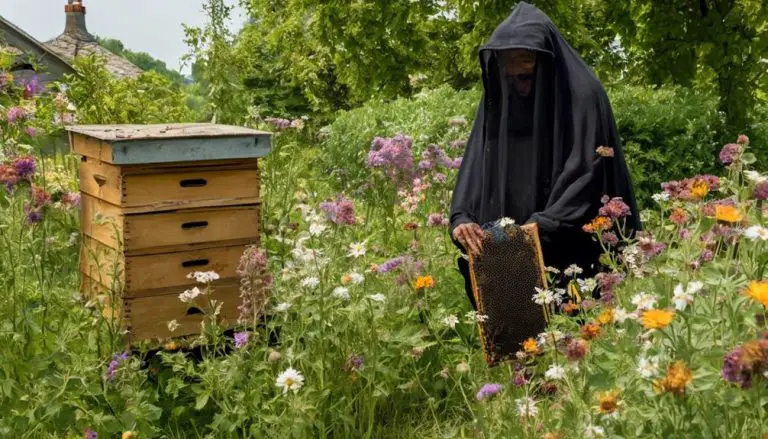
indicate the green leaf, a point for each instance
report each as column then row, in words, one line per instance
column 748, row 158
column 201, row 400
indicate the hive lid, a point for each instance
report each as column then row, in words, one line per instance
column 126, row 133
column 165, row 143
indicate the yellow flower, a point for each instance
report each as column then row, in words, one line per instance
column 552, row 435
column 129, row 435
column 346, row 279
column 657, row 318
column 425, row 282
column 677, row 379
column 530, row 346
column 699, row 189
column 606, row 317
column 171, row 346
column 608, row 402
column 758, row 291
column 728, row 214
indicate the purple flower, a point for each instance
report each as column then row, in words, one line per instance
column 71, row 199
column 340, row 211
column 394, row 155
column 437, row 220
column 730, row 153
column 354, row 362
column 458, row 144
column 610, row 238
column 241, row 339
column 706, row 255
column 390, row 265
column 33, row 214
column 761, row 190
column 426, row 164
column 733, row 370
column 440, row 178
column 25, row 167
column 457, row 122
column 31, row 132
column 519, row 380
column 90, row 434
column 648, row 244
column 31, row 88
column 684, row 233
column 255, row 282
column 16, row 114
column 455, row 164
column 614, row 208
column 607, row 281
column 488, row 391
column 117, row 360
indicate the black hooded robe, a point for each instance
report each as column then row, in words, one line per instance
column 533, row 158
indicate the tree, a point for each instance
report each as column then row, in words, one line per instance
column 713, row 44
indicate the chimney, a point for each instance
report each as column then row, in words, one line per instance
column 75, row 26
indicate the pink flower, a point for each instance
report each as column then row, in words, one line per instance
column 614, row 208
column 730, row 153
column 761, row 190
column 16, row 114
column 742, row 140
column 437, row 220
column 340, row 211
column 394, row 155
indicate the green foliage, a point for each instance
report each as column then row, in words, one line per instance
column 714, row 44
column 143, row 60
column 102, row 99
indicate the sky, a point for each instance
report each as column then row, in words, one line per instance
column 152, row 26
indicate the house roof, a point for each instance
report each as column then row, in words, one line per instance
column 74, row 41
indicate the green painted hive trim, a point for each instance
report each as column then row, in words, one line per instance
column 188, row 150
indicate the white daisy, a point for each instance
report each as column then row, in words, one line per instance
column 754, row 176
column 644, row 301
column 317, row 229
column 282, row 307
column 451, row 321
column 310, row 282
column 526, row 407
column 648, row 367
column 290, row 379
column 555, row 372
column 756, row 232
column 356, row 249
column 377, row 297
column 573, row 270
column 341, row 293
column 543, row 297
column 356, row 278
column 621, row 315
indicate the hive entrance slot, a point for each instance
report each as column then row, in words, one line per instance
column 194, row 310
column 195, row 263
column 193, row 182
column 194, row 225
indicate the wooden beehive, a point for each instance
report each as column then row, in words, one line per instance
column 159, row 202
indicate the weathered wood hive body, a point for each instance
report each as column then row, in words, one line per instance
column 159, row 202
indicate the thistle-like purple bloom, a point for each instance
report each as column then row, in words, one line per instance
column 90, row 434
column 437, row 220
column 455, row 163
column 25, row 167
column 615, row 208
column 354, row 362
column 390, row 265
column 519, row 380
column 730, row 153
column 241, row 339
column 733, row 371
column 706, row 255
column 610, row 238
column 761, row 190
column 394, row 155
column 488, row 391
column 31, row 87
column 340, row 211
column 16, row 114
column 33, row 214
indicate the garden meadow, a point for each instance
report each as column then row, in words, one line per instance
column 354, row 321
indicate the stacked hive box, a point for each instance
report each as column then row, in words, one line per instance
column 159, row 202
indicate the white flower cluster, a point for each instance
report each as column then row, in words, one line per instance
column 189, row 296
column 684, row 296
column 573, row 270
column 203, row 277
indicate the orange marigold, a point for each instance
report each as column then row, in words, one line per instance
column 598, row 225
column 590, row 330
column 570, row 307
column 425, row 282
column 758, row 291
column 530, row 346
column 728, row 214
column 606, row 317
column 699, row 189
column 657, row 318
column 346, row 279
column 678, row 377
column 552, row 435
